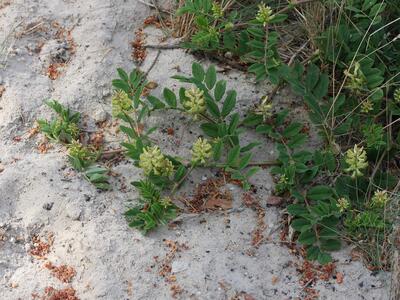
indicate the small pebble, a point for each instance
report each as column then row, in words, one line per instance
column 48, row 206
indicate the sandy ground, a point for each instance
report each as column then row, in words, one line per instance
column 40, row 194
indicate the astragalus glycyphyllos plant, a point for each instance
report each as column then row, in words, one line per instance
column 207, row 101
column 65, row 129
column 347, row 190
column 349, row 80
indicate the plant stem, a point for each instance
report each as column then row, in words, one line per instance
column 178, row 184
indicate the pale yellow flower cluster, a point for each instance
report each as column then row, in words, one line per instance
column 380, row 198
column 396, row 95
column 356, row 159
column 264, row 14
column 195, row 103
column 343, row 204
column 201, row 151
column 120, row 103
column 264, row 108
column 153, row 161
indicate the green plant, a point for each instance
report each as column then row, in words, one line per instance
column 353, row 105
column 65, row 129
column 212, row 106
column 152, row 209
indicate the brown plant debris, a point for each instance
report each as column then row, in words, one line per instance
column 44, row 146
column 174, row 247
column 175, row 290
column 2, row 89
column 313, row 272
column 209, row 195
column 165, row 267
column 40, row 248
column 257, row 235
column 97, row 140
column 242, row 296
column 54, row 70
column 5, row 3
column 63, row 273
column 139, row 52
column 51, row 293
column 32, row 132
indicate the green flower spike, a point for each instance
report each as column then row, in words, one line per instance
column 217, row 10
column 201, row 151
column 195, row 103
column 380, row 198
column 396, row 95
column 76, row 149
column 152, row 160
column 264, row 14
column 264, row 108
column 120, row 103
column 367, row 106
column 343, row 204
column 356, row 158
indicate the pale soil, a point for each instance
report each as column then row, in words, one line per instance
column 111, row 260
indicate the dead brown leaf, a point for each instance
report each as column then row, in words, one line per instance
column 53, row 71
column 40, row 248
column 44, row 147
column 32, row 132
column 339, row 277
column 51, row 293
column 274, row 200
column 139, row 52
column 209, row 195
column 63, row 273
column 275, row 280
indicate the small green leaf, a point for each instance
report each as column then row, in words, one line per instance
column 198, row 71
column 210, row 129
column 180, row 172
column 244, row 161
column 233, row 155
column 157, row 104
column 212, row 108
column 297, row 210
column 211, row 77
column 229, row 103
column 124, row 76
column 170, row 97
column 219, row 90
column 217, row 150
column 252, row 171
column 330, row 244
column 292, row 130
column 320, row 192
column 307, row 238
column 324, row 258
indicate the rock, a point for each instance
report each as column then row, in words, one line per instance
column 73, row 212
column 274, row 200
column 100, row 116
column 179, row 266
column 48, row 206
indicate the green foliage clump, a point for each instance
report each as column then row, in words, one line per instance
column 65, row 129
column 152, row 209
column 207, row 101
column 346, row 189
